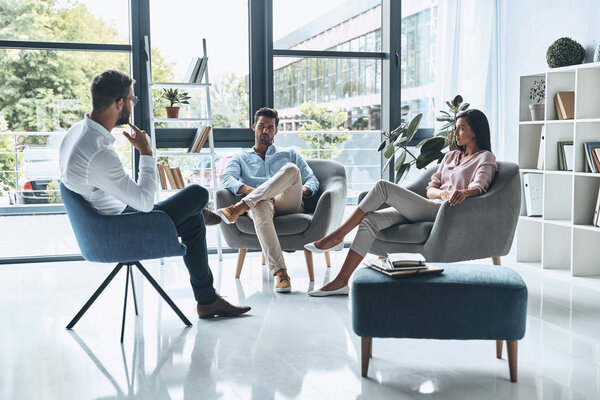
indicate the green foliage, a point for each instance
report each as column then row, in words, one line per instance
column 229, row 102
column 537, row 93
column 395, row 148
column 174, row 96
column 53, row 191
column 564, row 51
column 322, row 117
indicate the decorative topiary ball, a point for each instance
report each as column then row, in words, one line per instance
column 565, row 51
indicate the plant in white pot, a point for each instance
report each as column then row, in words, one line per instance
column 537, row 94
column 173, row 96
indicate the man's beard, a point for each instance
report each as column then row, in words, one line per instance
column 266, row 142
column 124, row 117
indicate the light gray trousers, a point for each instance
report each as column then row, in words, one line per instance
column 405, row 207
column 281, row 194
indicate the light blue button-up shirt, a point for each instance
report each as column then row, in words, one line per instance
column 247, row 168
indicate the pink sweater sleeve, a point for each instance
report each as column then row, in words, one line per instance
column 436, row 178
column 484, row 174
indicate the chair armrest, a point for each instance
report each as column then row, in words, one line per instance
column 225, row 198
column 458, row 233
column 330, row 208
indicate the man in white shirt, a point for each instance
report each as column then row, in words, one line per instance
column 90, row 166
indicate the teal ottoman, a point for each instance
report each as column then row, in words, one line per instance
column 466, row 301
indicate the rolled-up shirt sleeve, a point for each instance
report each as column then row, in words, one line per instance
column 436, row 179
column 113, row 180
column 230, row 179
column 484, row 174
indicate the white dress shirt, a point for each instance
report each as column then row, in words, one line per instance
column 90, row 166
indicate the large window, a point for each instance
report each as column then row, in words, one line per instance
column 177, row 29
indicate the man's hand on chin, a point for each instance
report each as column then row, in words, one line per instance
column 140, row 140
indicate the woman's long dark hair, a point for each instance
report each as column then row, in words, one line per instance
column 480, row 127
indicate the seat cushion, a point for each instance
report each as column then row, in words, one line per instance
column 406, row 233
column 290, row 224
column 466, row 301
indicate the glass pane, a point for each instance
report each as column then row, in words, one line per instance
column 226, row 33
column 42, row 94
column 331, row 109
column 337, row 25
column 83, row 21
column 419, row 26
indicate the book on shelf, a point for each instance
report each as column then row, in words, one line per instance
column 170, row 176
column 377, row 265
column 595, row 221
column 540, row 160
column 559, row 113
column 199, row 139
column 533, row 194
column 566, row 104
column 193, row 69
column 565, row 155
column 201, row 70
column 596, row 155
column 590, row 149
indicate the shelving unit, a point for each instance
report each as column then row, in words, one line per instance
column 563, row 238
column 177, row 150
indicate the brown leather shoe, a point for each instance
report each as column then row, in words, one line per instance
column 220, row 307
column 210, row 218
column 230, row 214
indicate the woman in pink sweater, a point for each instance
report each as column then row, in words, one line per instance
column 463, row 173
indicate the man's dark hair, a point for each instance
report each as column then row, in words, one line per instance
column 108, row 87
column 480, row 127
column 267, row 112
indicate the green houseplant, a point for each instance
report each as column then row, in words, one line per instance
column 174, row 96
column 564, row 51
column 537, row 95
column 431, row 149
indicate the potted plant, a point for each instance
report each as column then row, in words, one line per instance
column 431, row 149
column 537, row 94
column 174, row 96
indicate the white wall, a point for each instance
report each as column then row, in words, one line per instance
column 530, row 27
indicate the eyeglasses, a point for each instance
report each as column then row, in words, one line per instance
column 134, row 100
column 270, row 128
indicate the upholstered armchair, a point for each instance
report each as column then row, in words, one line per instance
column 125, row 239
column 480, row 227
column 323, row 213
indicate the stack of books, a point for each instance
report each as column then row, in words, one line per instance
column 402, row 265
column 565, row 155
column 170, row 177
column 196, row 70
column 592, row 156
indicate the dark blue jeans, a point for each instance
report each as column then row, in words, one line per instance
column 185, row 209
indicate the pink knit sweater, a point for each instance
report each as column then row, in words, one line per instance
column 478, row 172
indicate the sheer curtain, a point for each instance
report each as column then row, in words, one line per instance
column 469, row 60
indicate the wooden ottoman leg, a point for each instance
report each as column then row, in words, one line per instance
column 499, row 349
column 240, row 261
column 327, row 259
column 309, row 265
column 365, row 352
column 511, row 347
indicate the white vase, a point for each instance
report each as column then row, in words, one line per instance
column 597, row 54
column 537, row 112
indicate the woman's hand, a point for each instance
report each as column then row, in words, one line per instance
column 458, row 197
column 445, row 195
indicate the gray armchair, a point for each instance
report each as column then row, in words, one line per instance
column 480, row 227
column 323, row 213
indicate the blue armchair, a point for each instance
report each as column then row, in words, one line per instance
column 125, row 239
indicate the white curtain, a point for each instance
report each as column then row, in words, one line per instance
column 468, row 60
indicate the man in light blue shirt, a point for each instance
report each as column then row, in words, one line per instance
column 274, row 181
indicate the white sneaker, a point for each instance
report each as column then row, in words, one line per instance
column 344, row 290
column 314, row 249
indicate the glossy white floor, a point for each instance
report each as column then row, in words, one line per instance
column 289, row 346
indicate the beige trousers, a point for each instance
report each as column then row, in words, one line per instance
column 280, row 195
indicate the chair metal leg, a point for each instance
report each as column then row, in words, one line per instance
column 95, row 296
column 133, row 291
column 162, row 293
column 125, row 301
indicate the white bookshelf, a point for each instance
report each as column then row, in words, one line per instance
column 563, row 238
